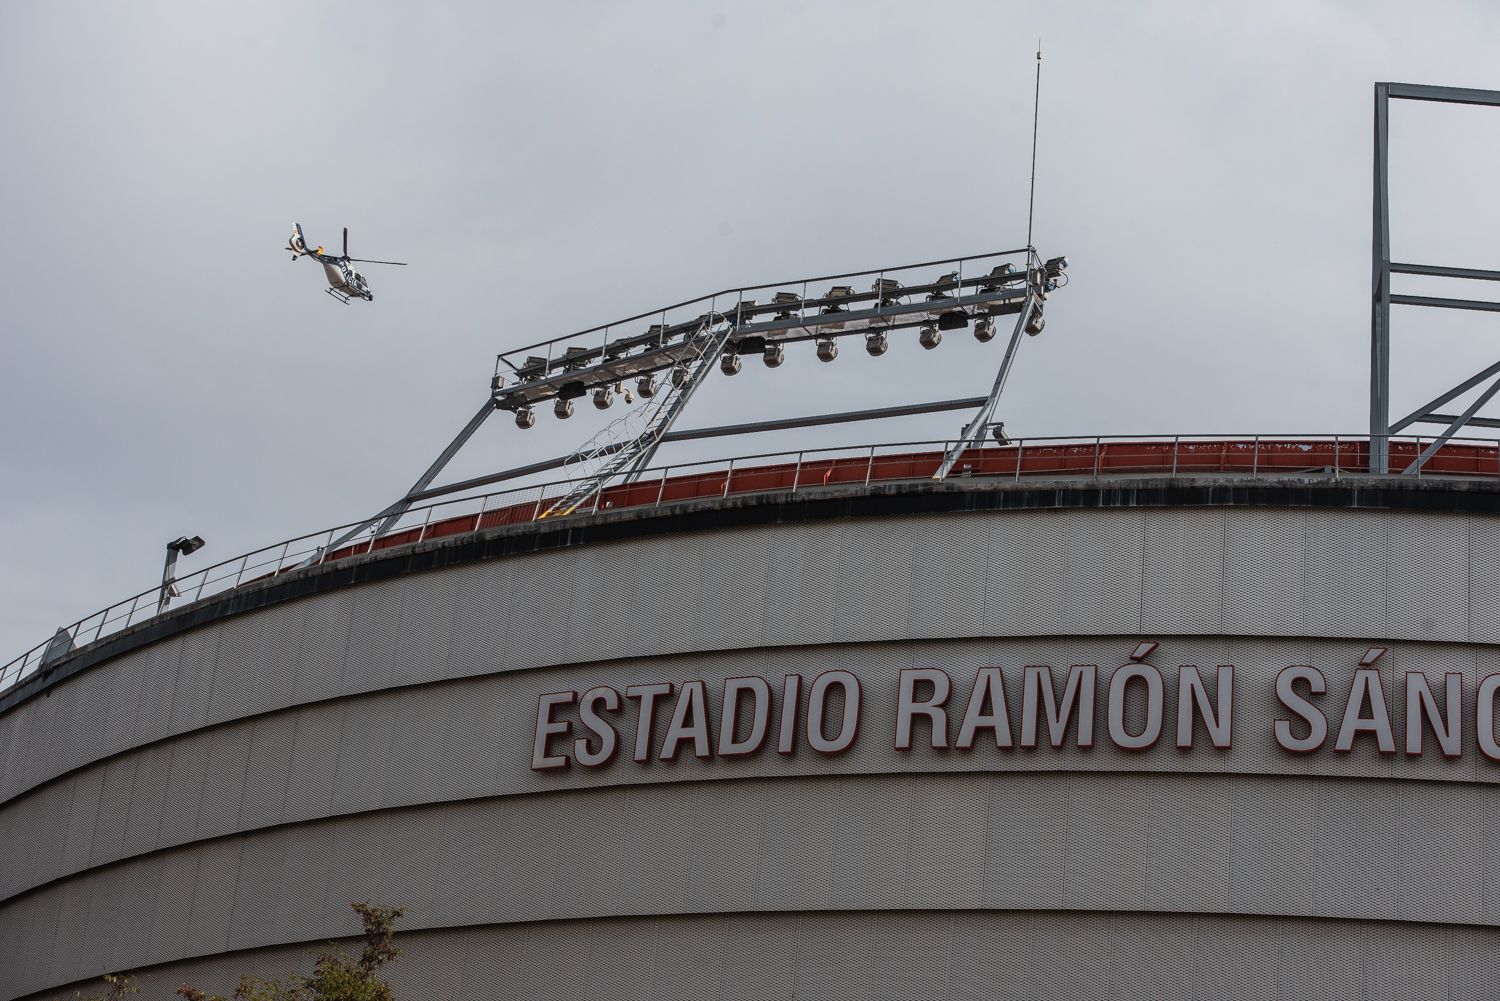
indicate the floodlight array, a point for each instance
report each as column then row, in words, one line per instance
column 764, row 319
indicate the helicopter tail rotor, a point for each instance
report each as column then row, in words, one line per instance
column 297, row 244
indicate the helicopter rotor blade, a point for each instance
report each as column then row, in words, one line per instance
column 346, row 241
column 366, row 260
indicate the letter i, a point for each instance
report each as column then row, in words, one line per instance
column 791, row 695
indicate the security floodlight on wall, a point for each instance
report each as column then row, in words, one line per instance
column 181, row 546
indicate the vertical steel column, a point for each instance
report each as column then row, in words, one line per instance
column 1380, row 297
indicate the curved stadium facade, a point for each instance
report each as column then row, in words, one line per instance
column 1100, row 721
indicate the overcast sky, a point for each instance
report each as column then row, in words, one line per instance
column 165, row 369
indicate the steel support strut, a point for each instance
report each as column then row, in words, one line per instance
column 388, row 517
column 1380, row 292
column 1381, row 296
column 974, row 432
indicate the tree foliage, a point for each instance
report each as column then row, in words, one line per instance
column 335, row 976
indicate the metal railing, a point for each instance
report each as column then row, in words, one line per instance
column 1095, row 457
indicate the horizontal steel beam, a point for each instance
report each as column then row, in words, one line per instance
column 720, row 431
column 1427, row 300
column 845, row 323
column 1479, row 422
column 1439, row 271
column 764, row 286
column 1443, row 95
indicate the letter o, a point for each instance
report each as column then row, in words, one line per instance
column 817, row 705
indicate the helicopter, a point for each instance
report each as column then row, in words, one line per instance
column 344, row 282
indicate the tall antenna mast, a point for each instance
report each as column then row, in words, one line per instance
column 1035, row 108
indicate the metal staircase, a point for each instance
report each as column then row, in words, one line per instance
column 626, row 445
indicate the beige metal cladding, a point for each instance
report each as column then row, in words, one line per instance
column 209, row 804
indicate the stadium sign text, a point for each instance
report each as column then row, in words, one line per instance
column 1040, row 707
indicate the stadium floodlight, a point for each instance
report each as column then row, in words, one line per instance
column 786, row 300
column 888, row 289
column 1000, row 276
column 603, row 398
column 679, row 376
column 183, row 545
column 525, row 418
column 984, row 329
column 563, row 409
column 1036, row 321
column 1055, row 266
column 730, row 363
column 997, row 430
column 828, row 349
column 929, row 336
column 837, row 292
column 875, row 343
column 946, row 281
column 774, row 356
column 646, row 387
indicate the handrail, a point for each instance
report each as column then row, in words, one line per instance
column 797, row 470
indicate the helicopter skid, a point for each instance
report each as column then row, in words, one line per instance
column 341, row 297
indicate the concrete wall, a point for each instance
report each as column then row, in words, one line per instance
column 230, row 789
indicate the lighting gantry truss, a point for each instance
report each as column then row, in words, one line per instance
column 666, row 362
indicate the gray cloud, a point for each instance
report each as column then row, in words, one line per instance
column 545, row 167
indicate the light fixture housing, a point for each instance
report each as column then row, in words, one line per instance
column 1036, row 321
column 525, row 418
column 679, row 376
column 603, row 398
column 876, row 343
column 828, row 349
column 997, row 430
column 954, row 319
column 645, row 386
column 929, row 336
column 563, row 409
column 186, row 545
column 730, row 363
column 984, row 329
column 774, row 356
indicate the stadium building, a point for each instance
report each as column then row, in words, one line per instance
column 1181, row 718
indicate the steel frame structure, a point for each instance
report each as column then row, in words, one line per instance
column 1382, row 298
column 691, row 338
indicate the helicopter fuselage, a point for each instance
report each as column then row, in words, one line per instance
column 344, row 282
column 344, row 279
